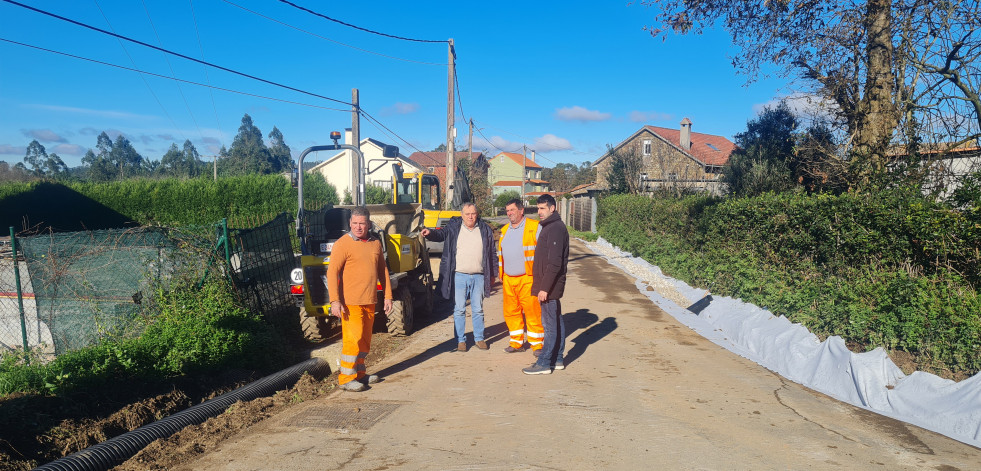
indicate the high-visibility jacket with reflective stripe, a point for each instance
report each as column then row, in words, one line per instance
column 528, row 241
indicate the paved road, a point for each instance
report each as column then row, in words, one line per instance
column 640, row 391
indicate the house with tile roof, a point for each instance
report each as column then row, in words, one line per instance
column 338, row 170
column 435, row 162
column 509, row 171
column 677, row 159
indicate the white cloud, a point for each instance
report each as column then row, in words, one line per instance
column 551, row 142
column 67, row 149
column 400, row 108
column 43, row 135
column 6, row 149
column 578, row 113
column 646, row 116
column 496, row 144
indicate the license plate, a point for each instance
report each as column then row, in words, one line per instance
column 326, row 247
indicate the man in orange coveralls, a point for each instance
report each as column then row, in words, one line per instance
column 515, row 256
column 357, row 265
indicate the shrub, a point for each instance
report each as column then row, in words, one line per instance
column 189, row 330
column 893, row 269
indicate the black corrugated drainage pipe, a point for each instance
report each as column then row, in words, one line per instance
column 116, row 450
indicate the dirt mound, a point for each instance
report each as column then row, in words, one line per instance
column 35, row 430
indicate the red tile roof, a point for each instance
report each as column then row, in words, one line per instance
column 508, row 183
column 520, row 159
column 584, row 185
column 707, row 148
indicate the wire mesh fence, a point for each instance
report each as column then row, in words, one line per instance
column 64, row 291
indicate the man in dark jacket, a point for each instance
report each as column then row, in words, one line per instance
column 466, row 270
column 548, row 282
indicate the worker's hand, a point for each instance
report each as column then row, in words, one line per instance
column 542, row 296
column 388, row 306
column 425, row 232
column 338, row 310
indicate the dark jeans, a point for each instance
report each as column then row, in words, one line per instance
column 554, row 344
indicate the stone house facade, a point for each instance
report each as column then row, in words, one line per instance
column 675, row 159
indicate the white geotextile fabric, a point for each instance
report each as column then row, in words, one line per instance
column 869, row 380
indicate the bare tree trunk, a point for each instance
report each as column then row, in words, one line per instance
column 877, row 113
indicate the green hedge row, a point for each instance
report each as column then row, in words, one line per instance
column 892, row 269
column 83, row 205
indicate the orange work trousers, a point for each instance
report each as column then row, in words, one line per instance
column 522, row 312
column 355, row 341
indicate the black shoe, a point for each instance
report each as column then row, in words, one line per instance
column 537, row 369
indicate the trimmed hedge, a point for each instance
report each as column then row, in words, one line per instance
column 892, row 269
column 82, row 205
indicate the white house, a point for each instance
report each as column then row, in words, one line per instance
column 339, row 169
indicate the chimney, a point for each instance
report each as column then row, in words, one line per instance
column 532, row 155
column 685, row 141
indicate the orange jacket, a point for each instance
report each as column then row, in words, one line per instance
column 354, row 271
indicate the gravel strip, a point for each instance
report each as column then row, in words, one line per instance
column 652, row 278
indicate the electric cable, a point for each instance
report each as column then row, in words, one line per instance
column 173, row 78
column 145, row 83
column 360, row 28
column 226, row 69
column 207, row 76
column 171, row 66
column 328, row 39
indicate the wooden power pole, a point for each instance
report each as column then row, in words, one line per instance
column 355, row 141
column 450, row 132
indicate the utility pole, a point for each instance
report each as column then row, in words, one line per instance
column 215, row 157
column 470, row 142
column 524, row 164
column 450, row 121
column 355, row 141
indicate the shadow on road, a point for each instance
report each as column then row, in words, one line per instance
column 583, row 319
column 581, row 257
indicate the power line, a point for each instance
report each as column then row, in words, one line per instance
column 328, row 39
column 554, row 147
column 172, row 78
column 226, row 69
column 360, row 28
column 171, row 66
column 207, row 76
column 145, row 83
column 383, row 128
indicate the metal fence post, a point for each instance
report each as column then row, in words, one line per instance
column 20, row 296
column 228, row 252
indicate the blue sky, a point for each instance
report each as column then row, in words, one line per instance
column 563, row 78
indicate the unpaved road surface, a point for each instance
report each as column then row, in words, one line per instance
column 640, row 391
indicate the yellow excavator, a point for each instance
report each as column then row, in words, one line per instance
column 424, row 189
column 398, row 225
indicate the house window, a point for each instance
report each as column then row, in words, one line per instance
column 647, row 147
column 672, row 176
